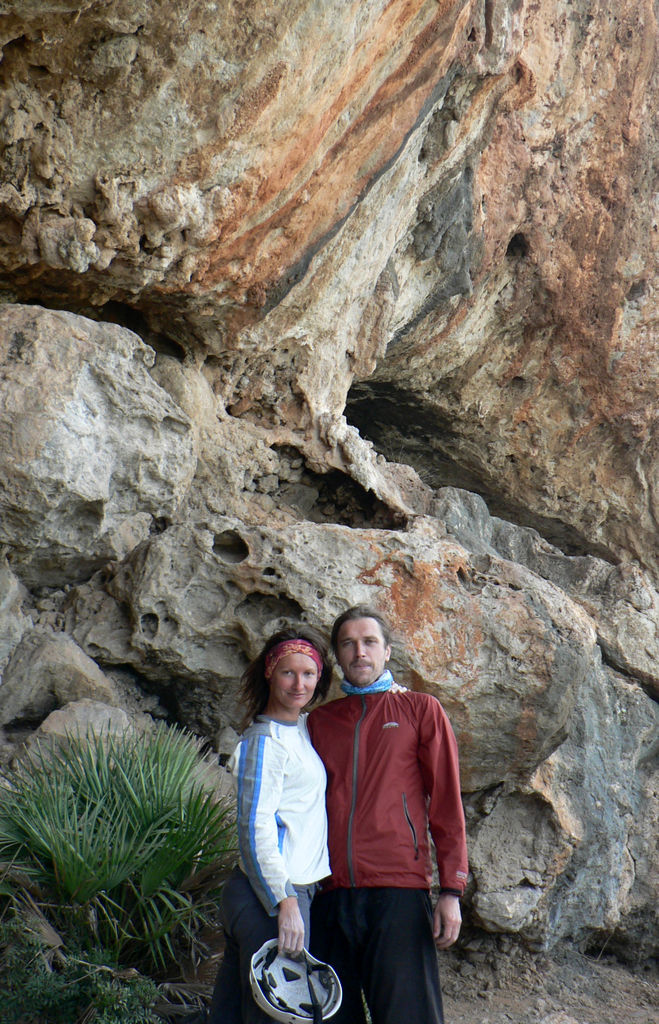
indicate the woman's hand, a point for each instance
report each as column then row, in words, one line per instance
column 291, row 926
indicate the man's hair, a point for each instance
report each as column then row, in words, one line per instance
column 361, row 611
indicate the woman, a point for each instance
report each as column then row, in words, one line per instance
column 282, row 826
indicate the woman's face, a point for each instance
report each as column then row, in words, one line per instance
column 292, row 685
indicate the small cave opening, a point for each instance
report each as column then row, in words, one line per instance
column 405, row 430
column 30, row 719
column 518, row 247
column 134, row 320
column 62, row 290
column 140, row 693
column 185, row 703
column 344, row 501
column 333, row 497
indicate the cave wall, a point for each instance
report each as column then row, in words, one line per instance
column 312, row 303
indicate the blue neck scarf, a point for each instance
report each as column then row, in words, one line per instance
column 379, row 686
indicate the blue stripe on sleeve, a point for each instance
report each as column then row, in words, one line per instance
column 250, row 777
column 281, row 832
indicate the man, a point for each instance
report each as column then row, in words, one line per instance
column 392, row 771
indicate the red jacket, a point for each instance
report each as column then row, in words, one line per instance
column 392, row 769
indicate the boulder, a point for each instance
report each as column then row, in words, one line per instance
column 46, row 671
column 14, row 617
column 81, row 717
column 562, row 855
column 620, row 598
column 91, row 449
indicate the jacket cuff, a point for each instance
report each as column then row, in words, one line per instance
column 452, row 892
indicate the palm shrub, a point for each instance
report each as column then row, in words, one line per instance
column 119, row 841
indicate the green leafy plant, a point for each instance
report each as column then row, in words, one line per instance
column 120, row 841
column 42, row 983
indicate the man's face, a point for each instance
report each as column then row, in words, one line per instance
column 361, row 651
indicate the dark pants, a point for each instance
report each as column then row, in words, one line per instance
column 381, row 941
column 246, row 927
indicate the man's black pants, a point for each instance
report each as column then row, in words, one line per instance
column 381, row 941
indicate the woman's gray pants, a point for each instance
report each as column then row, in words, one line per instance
column 246, row 927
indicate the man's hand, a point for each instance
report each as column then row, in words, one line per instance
column 446, row 920
column 291, row 926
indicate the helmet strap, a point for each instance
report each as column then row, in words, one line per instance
column 317, row 1008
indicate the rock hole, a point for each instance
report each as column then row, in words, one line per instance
column 637, row 290
column 466, row 579
column 269, row 612
column 230, row 547
column 518, row 247
column 149, row 624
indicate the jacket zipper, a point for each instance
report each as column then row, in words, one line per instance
column 412, row 828
column 355, row 760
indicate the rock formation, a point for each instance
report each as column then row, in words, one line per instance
column 307, row 304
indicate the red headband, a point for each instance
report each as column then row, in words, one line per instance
column 299, row 646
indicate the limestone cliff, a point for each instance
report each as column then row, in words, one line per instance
column 311, row 303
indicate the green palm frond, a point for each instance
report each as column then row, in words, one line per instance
column 123, row 831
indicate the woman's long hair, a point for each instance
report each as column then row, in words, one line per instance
column 254, row 688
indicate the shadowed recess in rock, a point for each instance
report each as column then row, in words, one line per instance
column 406, row 430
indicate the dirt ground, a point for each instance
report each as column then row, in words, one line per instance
column 488, row 985
column 491, row 980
